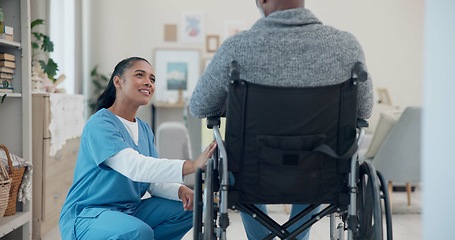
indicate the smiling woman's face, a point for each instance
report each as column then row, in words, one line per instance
column 137, row 83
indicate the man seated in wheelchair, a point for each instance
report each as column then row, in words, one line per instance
column 287, row 47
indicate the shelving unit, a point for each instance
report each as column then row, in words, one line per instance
column 16, row 108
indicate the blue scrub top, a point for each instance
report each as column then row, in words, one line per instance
column 96, row 187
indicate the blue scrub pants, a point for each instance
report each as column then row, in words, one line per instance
column 255, row 231
column 154, row 218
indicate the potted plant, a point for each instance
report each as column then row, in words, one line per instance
column 100, row 82
column 43, row 66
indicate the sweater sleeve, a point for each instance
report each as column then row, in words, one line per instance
column 365, row 96
column 209, row 96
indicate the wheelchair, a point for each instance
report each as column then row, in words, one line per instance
column 292, row 146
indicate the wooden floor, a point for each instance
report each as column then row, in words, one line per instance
column 407, row 224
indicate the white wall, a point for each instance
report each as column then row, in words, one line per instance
column 390, row 31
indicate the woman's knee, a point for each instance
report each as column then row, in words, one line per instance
column 141, row 232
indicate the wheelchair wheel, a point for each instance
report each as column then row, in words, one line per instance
column 208, row 206
column 369, row 209
column 197, row 206
column 387, row 207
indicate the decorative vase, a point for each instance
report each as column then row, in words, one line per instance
column 37, row 81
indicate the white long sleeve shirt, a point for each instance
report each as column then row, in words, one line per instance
column 148, row 169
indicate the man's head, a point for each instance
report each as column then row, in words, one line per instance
column 267, row 7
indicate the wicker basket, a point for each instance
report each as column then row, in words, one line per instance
column 5, row 186
column 16, row 174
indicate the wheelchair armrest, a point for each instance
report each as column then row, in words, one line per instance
column 359, row 72
column 212, row 121
column 362, row 123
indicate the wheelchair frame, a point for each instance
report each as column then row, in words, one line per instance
column 363, row 218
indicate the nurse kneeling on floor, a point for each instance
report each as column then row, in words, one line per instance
column 118, row 163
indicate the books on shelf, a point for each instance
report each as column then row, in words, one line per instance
column 5, row 63
column 6, row 37
column 7, row 70
column 4, row 75
column 7, row 56
column 7, row 33
column 6, row 90
column 7, row 60
column 8, row 30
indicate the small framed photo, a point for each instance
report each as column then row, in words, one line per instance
column 212, row 42
column 193, row 27
column 177, row 72
column 170, row 32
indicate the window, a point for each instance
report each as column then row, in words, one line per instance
column 62, row 30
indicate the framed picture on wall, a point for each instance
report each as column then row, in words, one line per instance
column 212, row 42
column 177, row 72
column 193, row 27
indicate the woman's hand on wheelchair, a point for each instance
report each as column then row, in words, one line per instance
column 200, row 162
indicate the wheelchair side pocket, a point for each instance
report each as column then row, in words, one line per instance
column 288, row 167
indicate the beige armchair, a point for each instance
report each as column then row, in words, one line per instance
column 398, row 157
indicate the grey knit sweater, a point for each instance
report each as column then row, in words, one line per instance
column 286, row 48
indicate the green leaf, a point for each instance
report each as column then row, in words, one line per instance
column 48, row 45
column 97, row 84
column 36, row 23
column 105, row 79
column 35, row 45
column 50, row 68
column 37, row 35
column 94, row 71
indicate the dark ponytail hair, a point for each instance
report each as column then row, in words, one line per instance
column 107, row 98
